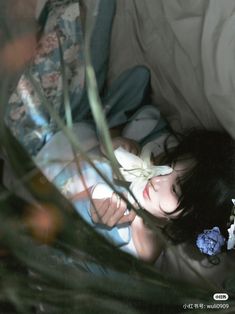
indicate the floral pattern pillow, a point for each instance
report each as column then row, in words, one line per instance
column 27, row 117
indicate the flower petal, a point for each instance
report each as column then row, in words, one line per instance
column 130, row 175
column 210, row 241
column 127, row 160
column 231, row 238
column 137, row 188
column 161, row 170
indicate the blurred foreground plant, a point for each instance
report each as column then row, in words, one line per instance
column 45, row 245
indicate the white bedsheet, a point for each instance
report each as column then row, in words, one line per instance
column 189, row 47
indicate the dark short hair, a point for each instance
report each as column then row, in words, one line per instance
column 207, row 187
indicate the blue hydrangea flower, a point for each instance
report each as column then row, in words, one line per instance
column 210, row 241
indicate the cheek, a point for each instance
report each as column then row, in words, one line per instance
column 154, row 198
column 153, row 209
column 169, row 203
column 152, row 205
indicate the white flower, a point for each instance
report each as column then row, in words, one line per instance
column 231, row 237
column 138, row 170
column 231, row 232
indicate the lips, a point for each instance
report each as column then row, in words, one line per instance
column 146, row 192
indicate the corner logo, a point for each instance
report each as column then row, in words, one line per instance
column 220, row 296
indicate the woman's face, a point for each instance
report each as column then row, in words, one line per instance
column 161, row 194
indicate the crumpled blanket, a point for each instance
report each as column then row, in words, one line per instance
column 189, row 47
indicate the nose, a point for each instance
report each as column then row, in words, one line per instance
column 157, row 181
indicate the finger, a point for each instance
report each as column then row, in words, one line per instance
column 115, row 204
column 99, row 209
column 100, row 206
column 117, row 215
column 134, row 151
column 128, row 146
column 127, row 218
column 134, row 148
column 137, row 149
column 125, row 146
column 103, row 210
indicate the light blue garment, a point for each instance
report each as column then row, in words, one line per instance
column 83, row 206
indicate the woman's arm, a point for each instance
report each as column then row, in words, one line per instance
column 147, row 244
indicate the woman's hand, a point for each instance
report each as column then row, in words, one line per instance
column 111, row 211
column 128, row 144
